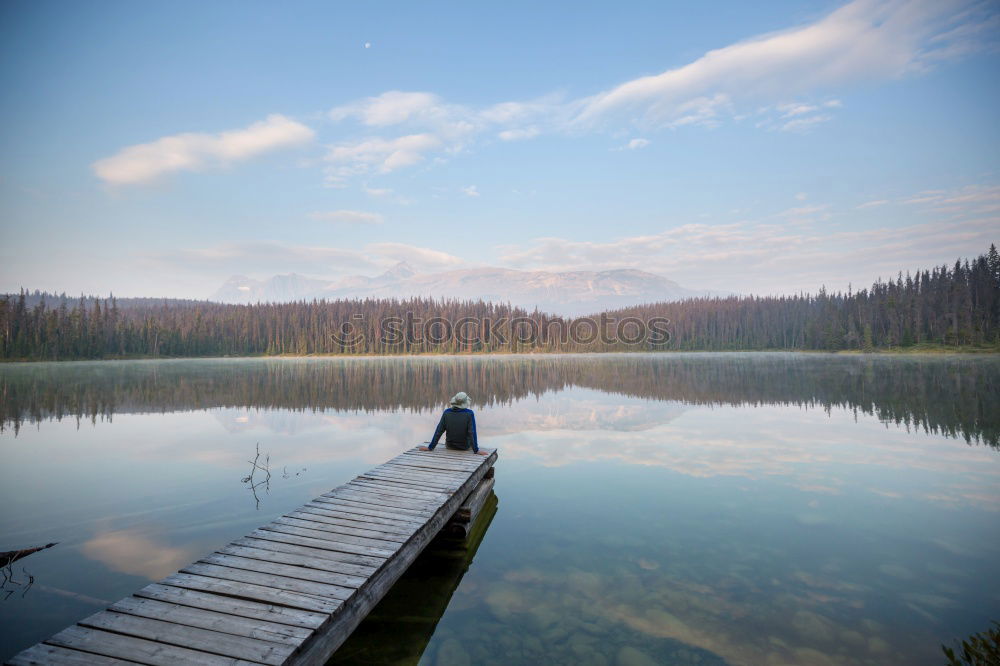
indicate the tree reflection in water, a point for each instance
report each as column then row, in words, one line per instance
column 958, row 396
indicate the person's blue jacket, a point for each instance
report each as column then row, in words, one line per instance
column 460, row 426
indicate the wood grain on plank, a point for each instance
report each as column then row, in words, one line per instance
column 399, row 488
column 343, row 542
column 337, row 561
column 290, row 570
column 376, row 539
column 264, row 613
column 242, row 590
column 213, row 620
column 53, row 655
column 363, row 527
column 318, row 544
column 350, row 508
column 144, row 651
column 411, row 506
column 295, row 559
column 360, row 502
column 282, row 583
column 195, row 638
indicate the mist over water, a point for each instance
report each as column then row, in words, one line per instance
column 681, row 508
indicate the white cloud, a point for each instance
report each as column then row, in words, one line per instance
column 266, row 258
column 964, row 202
column 636, row 144
column 519, row 133
column 418, row 256
column 433, row 126
column 471, row 191
column 347, row 217
column 865, row 39
column 703, row 111
column 803, row 124
column 379, row 155
column 801, row 196
column 784, row 257
column 972, row 199
column 391, row 108
column 790, row 110
column 862, row 40
column 261, row 257
column 806, row 214
column 194, row 151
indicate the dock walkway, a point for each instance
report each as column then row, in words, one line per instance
column 291, row 591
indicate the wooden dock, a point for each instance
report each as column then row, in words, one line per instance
column 291, row 591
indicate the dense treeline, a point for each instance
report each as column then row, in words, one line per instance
column 947, row 306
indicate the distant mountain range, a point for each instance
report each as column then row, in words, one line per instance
column 571, row 293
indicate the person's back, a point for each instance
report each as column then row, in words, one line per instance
column 458, row 425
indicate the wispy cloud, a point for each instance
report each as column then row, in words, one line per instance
column 379, row 155
column 519, row 134
column 347, row 217
column 471, row 191
column 765, row 76
column 806, row 214
column 636, row 144
column 265, row 258
column 418, row 256
column 785, row 257
column 873, row 204
column 195, row 151
column 268, row 256
column 863, row 40
column 433, row 126
column 392, row 108
column 959, row 202
column 971, row 199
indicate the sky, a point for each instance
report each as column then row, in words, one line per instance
column 156, row 149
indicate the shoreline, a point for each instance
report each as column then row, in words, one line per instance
column 914, row 350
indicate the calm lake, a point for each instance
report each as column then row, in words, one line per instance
column 652, row 509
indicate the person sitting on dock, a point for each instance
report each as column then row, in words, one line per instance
column 459, row 422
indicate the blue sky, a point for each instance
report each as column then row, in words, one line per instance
column 158, row 148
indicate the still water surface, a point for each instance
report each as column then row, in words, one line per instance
column 681, row 508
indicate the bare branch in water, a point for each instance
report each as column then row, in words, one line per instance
column 266, row 469
column 7, row 558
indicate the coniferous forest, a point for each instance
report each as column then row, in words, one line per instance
column 949, row 306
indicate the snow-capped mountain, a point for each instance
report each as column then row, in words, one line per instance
column 568, row 293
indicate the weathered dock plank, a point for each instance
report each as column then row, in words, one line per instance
column 291, row 591
column 263, row 613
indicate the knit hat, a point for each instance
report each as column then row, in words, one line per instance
column 461, row 400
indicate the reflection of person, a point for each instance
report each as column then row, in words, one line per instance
column 459, row 422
